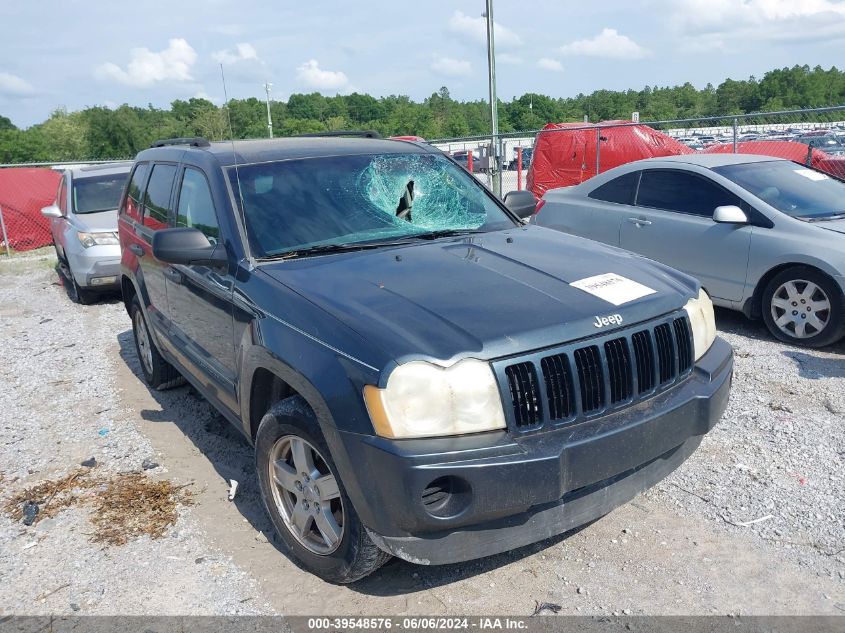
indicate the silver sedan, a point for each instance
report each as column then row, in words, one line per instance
column 83, row 222
column 763, row 235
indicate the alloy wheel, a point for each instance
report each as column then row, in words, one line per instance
column 800, row 308
column 306, row 494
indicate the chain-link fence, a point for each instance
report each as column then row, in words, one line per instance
column 23, row 193
column 569, row 153
column 559, row 155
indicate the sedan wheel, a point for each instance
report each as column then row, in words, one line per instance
column 306, row 494
column 800, row 309
column 803, row 306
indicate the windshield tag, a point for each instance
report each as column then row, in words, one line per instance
column 812, row 175
column 613, row 288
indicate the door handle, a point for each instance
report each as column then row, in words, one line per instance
column 173, row 275
column 639, row 221
column 136, row 249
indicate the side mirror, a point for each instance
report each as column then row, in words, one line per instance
column 522, row 203
column 51, row 212
column 187, row 246
column 730, row 214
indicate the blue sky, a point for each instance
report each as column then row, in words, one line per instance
column 78, row 53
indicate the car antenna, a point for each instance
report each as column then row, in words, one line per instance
column 232, row 141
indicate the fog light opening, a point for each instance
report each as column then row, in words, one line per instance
column 446, row 496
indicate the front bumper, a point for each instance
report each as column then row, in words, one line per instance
column 93, row 267
column 519, row 490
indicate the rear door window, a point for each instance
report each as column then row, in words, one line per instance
column 157, row 199
column 135, row 192
column 620, row 190
column 196, row 206
column 683, row 192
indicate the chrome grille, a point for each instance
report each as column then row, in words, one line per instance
column 585, row 379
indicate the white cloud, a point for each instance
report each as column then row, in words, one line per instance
column 609, row 43
column 714, row 23
column 146, row 67
column 13, row 86
column 507, row 58
column 232, row 30
column 242, row 52
column 310, row 74
column 202, row 94
column 451, row 67
column 547, row 63
column 466, row 26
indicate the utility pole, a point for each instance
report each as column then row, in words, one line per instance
column 494, row 114
column 267, row 87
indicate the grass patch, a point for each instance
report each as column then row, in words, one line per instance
column 124, row 506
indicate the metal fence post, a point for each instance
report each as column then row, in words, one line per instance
column 519, row 169
column 5, row 237
column 736, row 124
column 598, row 150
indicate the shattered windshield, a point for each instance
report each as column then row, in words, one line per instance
column 294, row 205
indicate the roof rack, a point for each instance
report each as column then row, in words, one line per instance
column 193, row 141
column 355, row 133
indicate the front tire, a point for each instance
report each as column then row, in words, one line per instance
column 158, row 373
column 306, row 500
column 77, row 293
column 803, row 306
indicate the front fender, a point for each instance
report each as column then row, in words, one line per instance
column 329, row 381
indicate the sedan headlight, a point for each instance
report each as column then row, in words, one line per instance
column 97, row 239
column 424, row 400
column 703, row 321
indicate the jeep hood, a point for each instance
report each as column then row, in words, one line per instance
column 483, row 296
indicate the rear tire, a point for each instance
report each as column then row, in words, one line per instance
column 803, row 306
column 317, row 523
column 158, row 373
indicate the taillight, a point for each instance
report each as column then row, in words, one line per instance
column 539, row 206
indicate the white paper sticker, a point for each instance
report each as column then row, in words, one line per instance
column 809, row 173
column 613, row 288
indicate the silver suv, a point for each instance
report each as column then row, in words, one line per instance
column 83, row 222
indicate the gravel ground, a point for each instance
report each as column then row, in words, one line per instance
column 59, row 407
column 72, row 391
column 777, row 456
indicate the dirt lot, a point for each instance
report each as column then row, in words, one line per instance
column 753, row 523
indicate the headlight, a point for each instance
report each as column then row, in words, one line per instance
column 424, row 400
column 97, row 239
column 703, row 321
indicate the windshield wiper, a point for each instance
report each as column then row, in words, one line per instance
column 825, row 218
column 433, row 235
column 323, row 249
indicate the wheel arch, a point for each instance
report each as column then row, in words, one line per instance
column 128, row 291
column 271, row 380
column 753, row 306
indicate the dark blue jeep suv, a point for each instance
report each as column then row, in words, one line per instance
column 421, row 374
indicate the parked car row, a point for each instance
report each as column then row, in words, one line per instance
column 829, row 139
